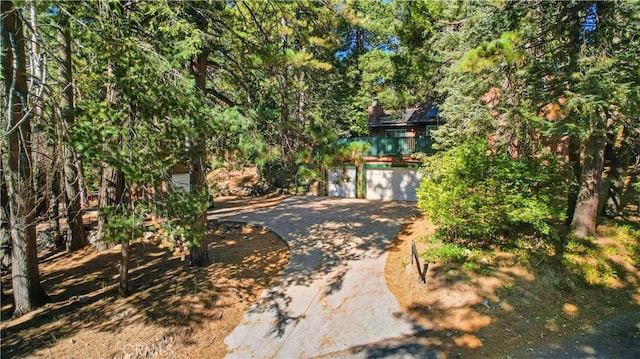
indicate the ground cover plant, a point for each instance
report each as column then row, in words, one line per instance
column 498, row 302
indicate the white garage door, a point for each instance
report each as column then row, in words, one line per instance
column 342, row 183
column 181, row 181
column 393, row 184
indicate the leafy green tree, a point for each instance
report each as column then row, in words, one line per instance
column 526, row 74
column 141, row 112
column 475, row 196
column 76, row 238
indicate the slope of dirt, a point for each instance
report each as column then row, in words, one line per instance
column 243, row 182
column 515, row 304
column 174, row 311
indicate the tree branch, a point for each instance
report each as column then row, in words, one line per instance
column 220, row 97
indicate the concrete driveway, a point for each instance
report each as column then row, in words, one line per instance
column 332, row 299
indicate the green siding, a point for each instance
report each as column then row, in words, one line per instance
column 392, row 146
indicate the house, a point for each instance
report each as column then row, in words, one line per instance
column 411, row 122
column 389, row 168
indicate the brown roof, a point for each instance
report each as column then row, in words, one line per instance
column 410, row 116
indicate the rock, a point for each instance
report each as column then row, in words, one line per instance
column 570, row 309
column 92, row 236
column 121, row 313
column 45, row 240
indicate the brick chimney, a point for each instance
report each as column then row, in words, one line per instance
column 375, row 111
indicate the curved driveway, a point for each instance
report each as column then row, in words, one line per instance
column 332, row 299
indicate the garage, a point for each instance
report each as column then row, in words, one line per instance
column 342, row 182
column 392, row 183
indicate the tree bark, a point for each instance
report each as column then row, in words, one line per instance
column 36, row 84
column 111, row 180
column 40, row 183
column 199, row 253
column 5, row 237
column 617, row 158
column 112, row 190
column 76, row 238
column 123, row 284
column 27, row 289
column 53, row 192
column 576, row 169
column 584, row 220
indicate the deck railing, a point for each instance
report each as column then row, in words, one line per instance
column 392, row 146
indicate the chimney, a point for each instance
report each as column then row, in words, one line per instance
column 375, row 111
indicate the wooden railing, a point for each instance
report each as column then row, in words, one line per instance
column 392, row 146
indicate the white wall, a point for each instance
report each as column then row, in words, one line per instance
column 337, row 187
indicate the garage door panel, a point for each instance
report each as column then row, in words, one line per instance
column 396, row 183
column 342, row 183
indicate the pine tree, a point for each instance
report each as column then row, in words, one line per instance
column 27, row 289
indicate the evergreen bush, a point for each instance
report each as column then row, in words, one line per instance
column 475, row 195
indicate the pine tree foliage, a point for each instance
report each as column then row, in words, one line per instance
column 532, row 93
column 534, row 76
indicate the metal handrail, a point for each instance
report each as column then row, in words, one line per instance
column 422, row 272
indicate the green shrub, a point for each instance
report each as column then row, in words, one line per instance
column 477, row 268
column 476, row 196
column 445, row 253
column 181, row 210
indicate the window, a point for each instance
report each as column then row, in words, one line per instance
column 397, row 133
column 430, row 128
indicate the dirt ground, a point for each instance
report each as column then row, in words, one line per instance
column 181, row 312
column 174, row 312
column 514, row 304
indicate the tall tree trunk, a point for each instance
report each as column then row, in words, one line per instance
column 576, row 169
column 111, row 180
column 76, row 238
column 54, row 189
column 39, row 139
column 5, row 235
column 301, row 97
column 81, row 185
column 54, row 193
column 40, row 183
column 112, row 188
column 199, row 253
column 123, row 283
column 113, row 192
column 617, row 158
column 27, row 289
column 288, row 130
column 585, row 215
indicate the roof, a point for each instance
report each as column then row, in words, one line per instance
column 410, row 116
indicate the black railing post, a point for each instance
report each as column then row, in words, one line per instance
column 422, row 272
